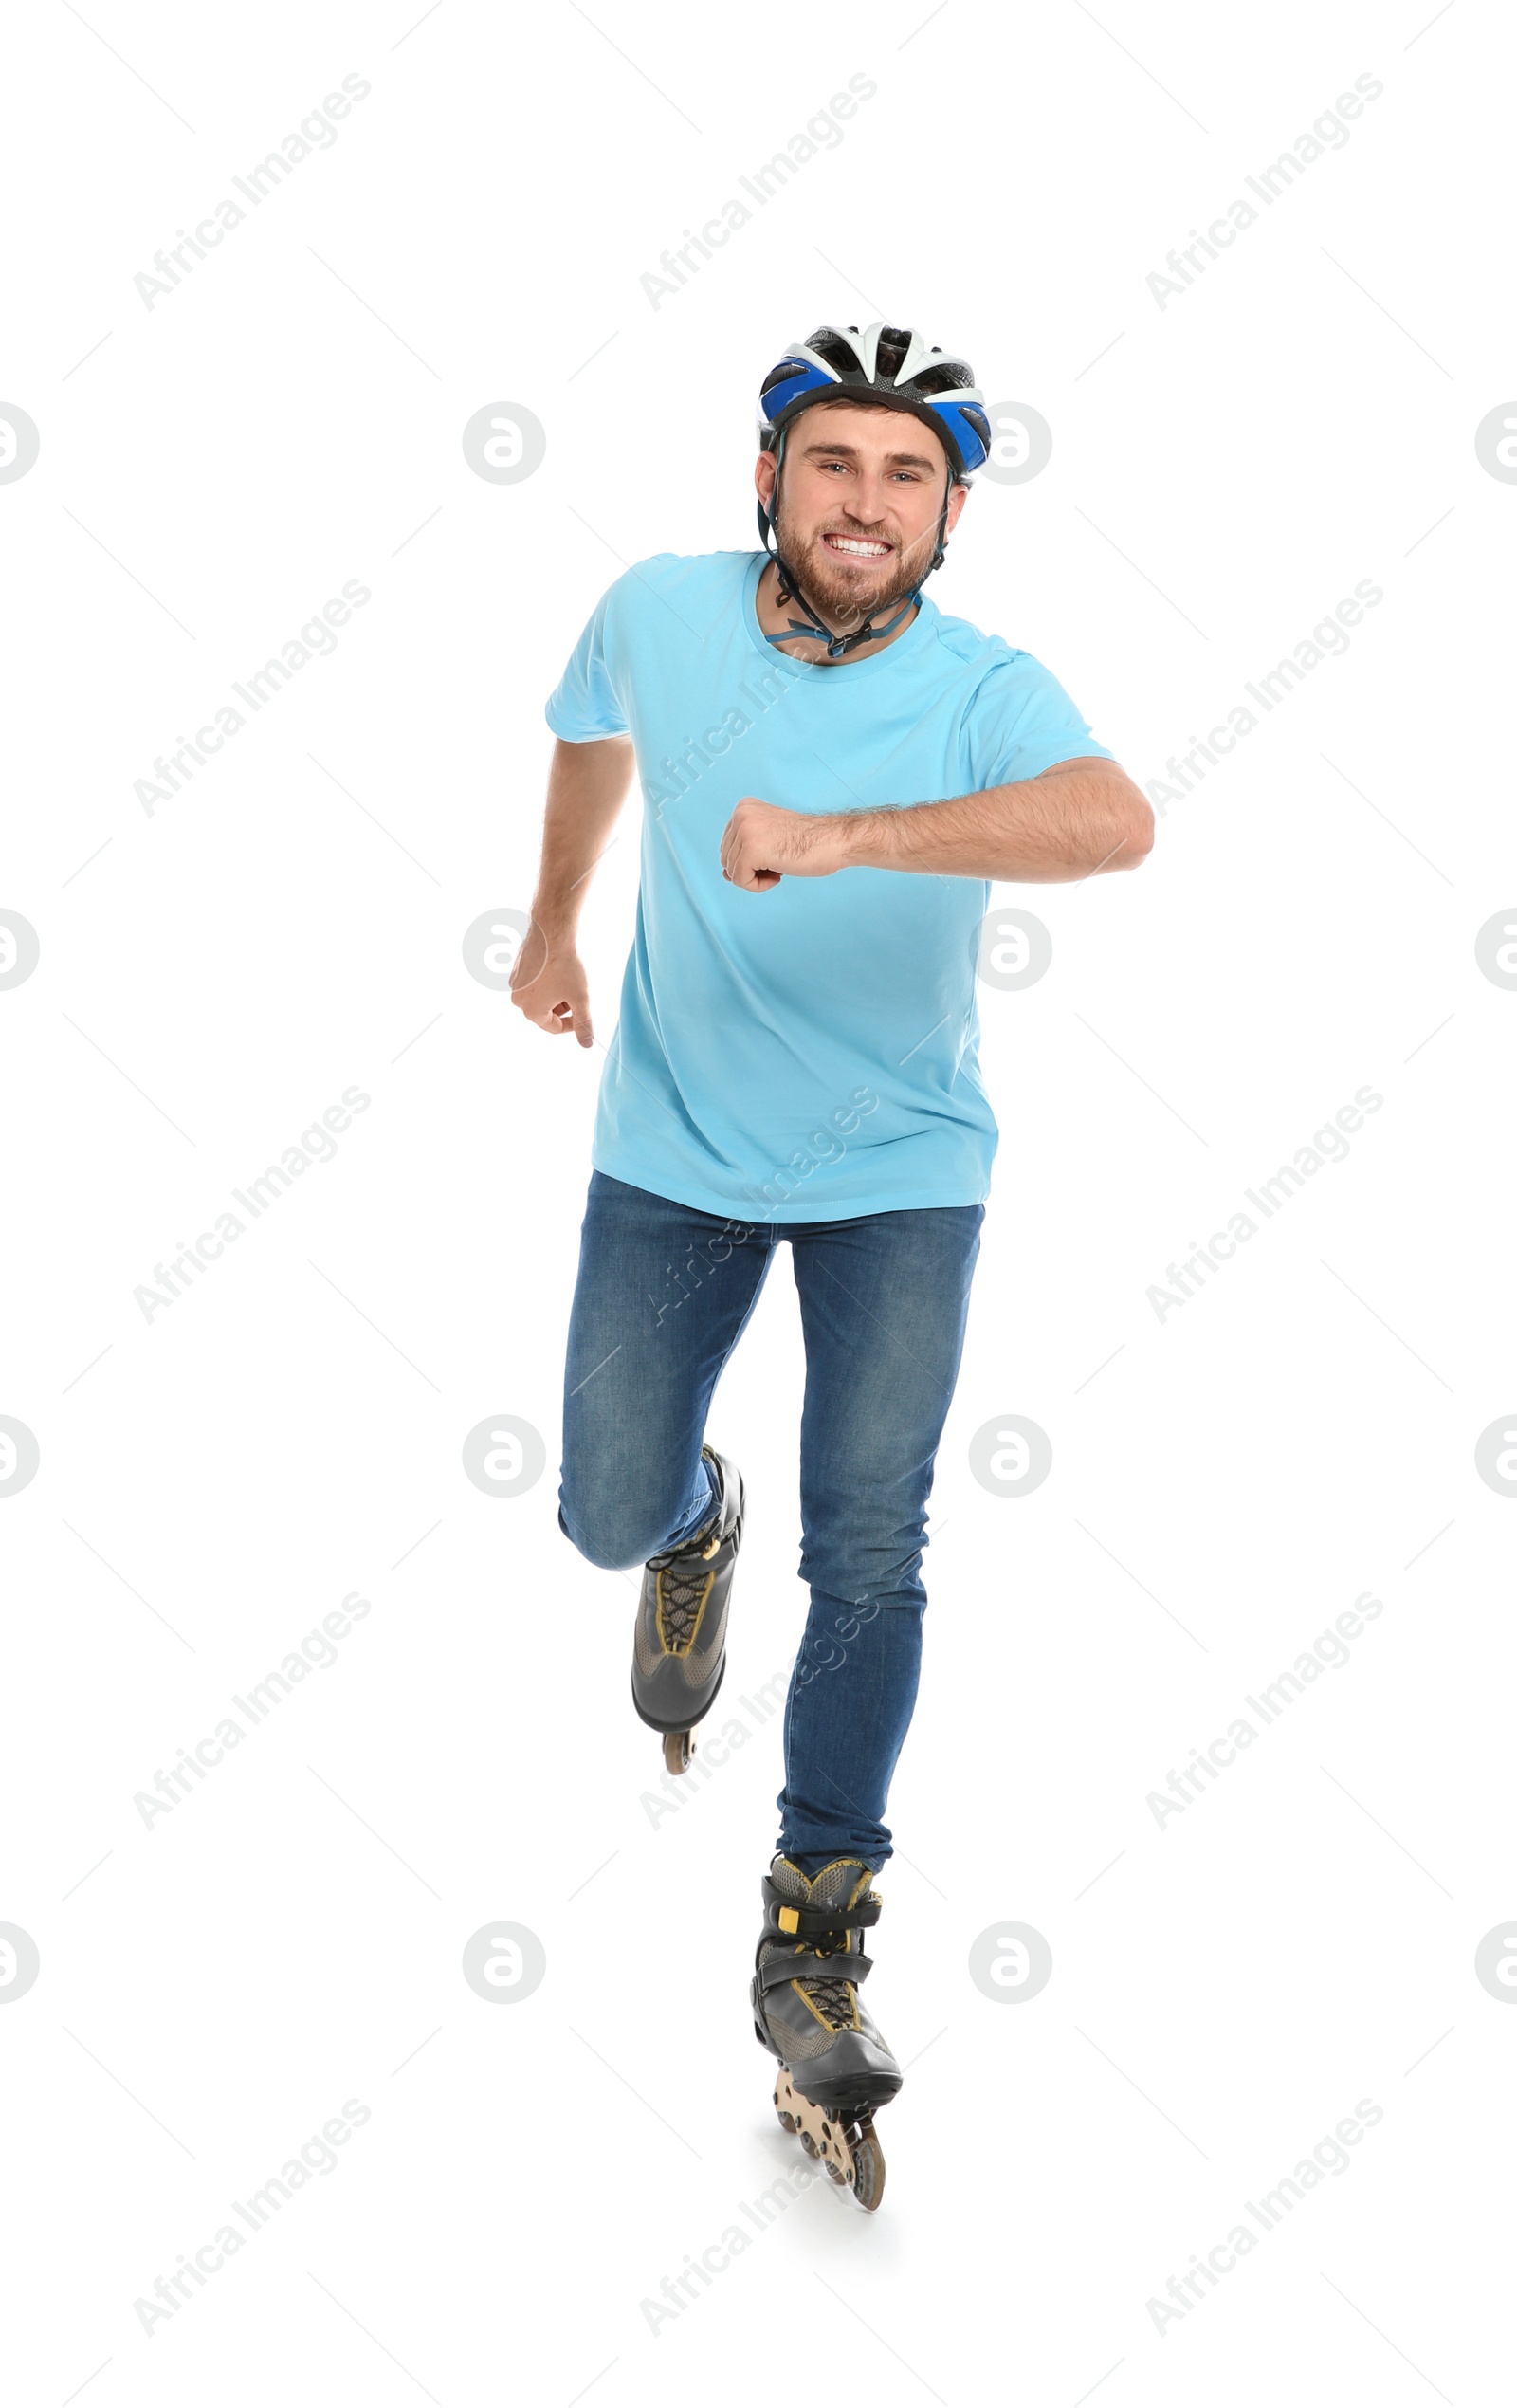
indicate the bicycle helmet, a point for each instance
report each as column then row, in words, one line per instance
column 889, row 366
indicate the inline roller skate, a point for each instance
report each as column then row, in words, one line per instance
column 835, row 2065
column 680, row 1641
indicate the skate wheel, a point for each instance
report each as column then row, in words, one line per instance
column 869, row 2167
column 807, row 2142
column 678, row 1746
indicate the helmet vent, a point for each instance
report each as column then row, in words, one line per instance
column 828, row 344
column 894, row 342
column 944, row 379
column 783, row 375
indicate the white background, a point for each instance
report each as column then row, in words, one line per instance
column 1225, row 1482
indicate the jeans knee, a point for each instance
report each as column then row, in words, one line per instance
column 599, row 1542
column 610, row 1540
column 836, row 1622
column 886, row 1573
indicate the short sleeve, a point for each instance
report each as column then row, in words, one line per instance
column 584, row 703
column 1021, row 721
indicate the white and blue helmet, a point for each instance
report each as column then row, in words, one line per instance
column 889, row 365
column 893, row 365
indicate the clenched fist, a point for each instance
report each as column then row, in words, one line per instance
column 762, row 844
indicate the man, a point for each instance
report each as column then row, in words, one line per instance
column 826, row 799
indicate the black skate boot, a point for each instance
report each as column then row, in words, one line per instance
column 680, row 1642
column 835, row 2064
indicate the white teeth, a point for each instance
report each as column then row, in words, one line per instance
column 864, row 551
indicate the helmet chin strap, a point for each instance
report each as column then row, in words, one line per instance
column 789, row 587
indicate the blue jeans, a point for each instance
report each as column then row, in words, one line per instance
column 662, row 1295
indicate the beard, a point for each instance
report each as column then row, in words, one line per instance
column 846, row 595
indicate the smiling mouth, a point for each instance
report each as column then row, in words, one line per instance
column 854, row 547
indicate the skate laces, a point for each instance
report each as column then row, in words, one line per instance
column 832, row 1999
column 681, row 1596
column 682, row 1582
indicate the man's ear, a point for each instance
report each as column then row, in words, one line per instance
column 958, row 496
column 764, row 477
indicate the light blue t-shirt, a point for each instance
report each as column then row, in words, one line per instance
column 808, row 1053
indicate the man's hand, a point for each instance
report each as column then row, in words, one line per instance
column 762, row 844
column 548, row 983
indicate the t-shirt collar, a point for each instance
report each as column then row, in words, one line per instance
column 910, row 638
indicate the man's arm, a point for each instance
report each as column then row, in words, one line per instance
column 587, row 786
column 1078, row 818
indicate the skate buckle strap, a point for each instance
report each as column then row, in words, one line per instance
column 803, row 1965
column 816, row 1923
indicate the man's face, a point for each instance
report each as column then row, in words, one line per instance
column 860, row 496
